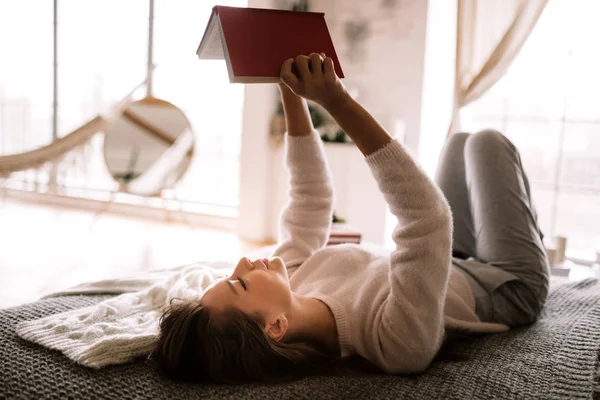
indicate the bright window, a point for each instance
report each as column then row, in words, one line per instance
column 25, row 74
column 102, row 55
column 548, row 104
column 202, row 90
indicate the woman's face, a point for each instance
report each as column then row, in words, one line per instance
column 255, row 287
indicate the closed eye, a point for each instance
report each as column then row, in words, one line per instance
column 242, row 282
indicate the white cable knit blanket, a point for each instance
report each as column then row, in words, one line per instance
column 124, row 327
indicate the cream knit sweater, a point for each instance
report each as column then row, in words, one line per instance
column 391, row 310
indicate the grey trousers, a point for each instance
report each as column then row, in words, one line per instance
column 497, row 241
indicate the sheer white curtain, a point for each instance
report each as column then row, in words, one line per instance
column 547, row 105
column 490, row 33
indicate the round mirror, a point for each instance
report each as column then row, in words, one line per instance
column 148, row 147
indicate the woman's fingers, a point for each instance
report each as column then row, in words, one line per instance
column 287, row 75
column 312, row 77
column 302, row 66
column 316, row 64
column 328, row 68
column 286, row 67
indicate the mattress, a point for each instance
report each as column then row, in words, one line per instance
column 555, row 358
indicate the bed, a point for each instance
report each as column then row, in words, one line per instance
column 555, row 358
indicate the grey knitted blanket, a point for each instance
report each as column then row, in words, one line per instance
column 554, row 359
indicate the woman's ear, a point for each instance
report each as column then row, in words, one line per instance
column 277, row 329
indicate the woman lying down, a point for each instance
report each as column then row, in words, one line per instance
column 307, row 304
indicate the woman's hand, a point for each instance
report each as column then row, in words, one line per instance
column 313, row 77
column 285, row 90
column 297, row 116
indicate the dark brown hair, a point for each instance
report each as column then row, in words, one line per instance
column 197, row 344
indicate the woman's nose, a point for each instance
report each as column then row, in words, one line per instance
column 245, row 263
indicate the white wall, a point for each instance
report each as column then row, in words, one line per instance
column 256, row 163
column 384, row 69
column 384, row 72
column 438, row 89
column 357, row 197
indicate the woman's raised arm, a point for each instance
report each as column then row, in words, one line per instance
column 305, row 222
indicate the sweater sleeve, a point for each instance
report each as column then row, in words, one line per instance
column 305, row 222
column 409, row 326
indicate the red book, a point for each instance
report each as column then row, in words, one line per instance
column 255, row 42
column 343, row 233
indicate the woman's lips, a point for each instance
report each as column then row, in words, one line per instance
column 266, row 262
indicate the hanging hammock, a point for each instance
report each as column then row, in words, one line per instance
column 167, row 169
column 55, row 150
column 38, row 157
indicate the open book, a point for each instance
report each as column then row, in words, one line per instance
column 255, row 42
